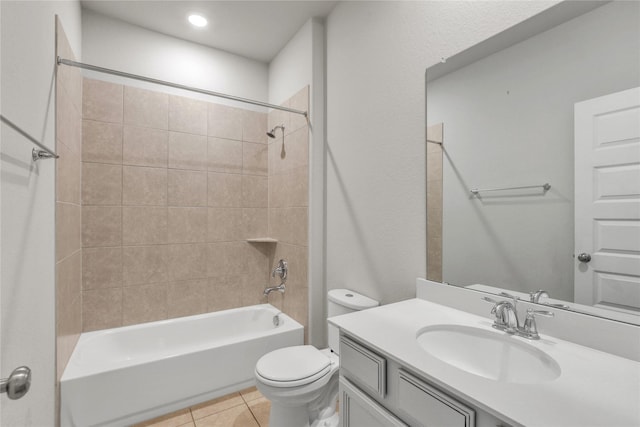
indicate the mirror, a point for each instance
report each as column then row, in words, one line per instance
column 500, row 120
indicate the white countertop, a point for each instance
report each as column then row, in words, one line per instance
column 594, row 388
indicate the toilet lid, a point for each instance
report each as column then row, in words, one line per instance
column 293, row 364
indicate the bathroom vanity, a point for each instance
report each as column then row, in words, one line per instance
column 418, row 363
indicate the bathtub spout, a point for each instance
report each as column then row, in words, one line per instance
column 274, row 288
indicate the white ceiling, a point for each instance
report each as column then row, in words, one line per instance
column 254, row 29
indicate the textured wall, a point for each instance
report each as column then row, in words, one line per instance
column 377, row 54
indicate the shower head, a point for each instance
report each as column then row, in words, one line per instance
column 272, row 132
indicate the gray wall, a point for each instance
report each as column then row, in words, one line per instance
column 508, row 121
column 377, row 53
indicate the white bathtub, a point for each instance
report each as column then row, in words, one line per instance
column 120, row 376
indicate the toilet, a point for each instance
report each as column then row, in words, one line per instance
column 301, row 381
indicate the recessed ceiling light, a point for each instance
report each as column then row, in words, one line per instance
column 198, row 20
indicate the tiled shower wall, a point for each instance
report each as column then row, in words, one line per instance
column 289, row 204
column 171, row 189
column 434, row 201
column 68, row 246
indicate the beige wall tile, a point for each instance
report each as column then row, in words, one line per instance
column 145, row 147
column 144, row 303
column 224, row 259
column 225, row 190
column 255, row 158
column 67, row 230
column 255, row 222
column 68, row 122
column 187, row 225
column 69, row 281
column 254, row 259
column 144, row 225
column 255, row 191
column 68, row 329
column 101, row 268
column 187, row 151
column 291, row 154
column 101, row 309
column 225, row 122
column 68, row 175
column 143, row 186
column 289, row 225
column 225, row 224
column 434, row 165
column 188, row 261
column 187, row 298
column 254, row 126
column 224, row 155
column 101, row 184
column 187, row 115
column 145, row 264
column 187, row 188
column 146, row 108
column 101, row 226
column 102, row 101
column 299, row 101
column 289, row 189
column 224, row 293
column 296, row 304
column 101, row 142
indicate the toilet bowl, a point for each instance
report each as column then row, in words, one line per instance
column 301, row 382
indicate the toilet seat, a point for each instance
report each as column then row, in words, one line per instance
column 293, row 366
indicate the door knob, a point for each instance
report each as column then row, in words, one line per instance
column 18, row 383
column 584, row 257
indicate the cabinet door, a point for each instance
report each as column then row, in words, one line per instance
column 359, row 410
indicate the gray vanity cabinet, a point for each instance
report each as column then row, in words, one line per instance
column 359, row 410
column 375, row 390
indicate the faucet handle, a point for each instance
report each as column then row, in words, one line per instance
column 534, row 296
column 530, row 329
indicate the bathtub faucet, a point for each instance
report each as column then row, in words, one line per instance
column 279, row 288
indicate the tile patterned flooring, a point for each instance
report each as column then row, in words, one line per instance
column 248, row 408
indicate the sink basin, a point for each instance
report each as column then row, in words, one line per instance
column 496, row 356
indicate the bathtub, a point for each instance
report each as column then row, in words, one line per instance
column 121, row 376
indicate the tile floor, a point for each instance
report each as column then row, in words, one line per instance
column 248, row 408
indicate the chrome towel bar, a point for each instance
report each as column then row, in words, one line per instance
column 545, row 187
column 43, row 153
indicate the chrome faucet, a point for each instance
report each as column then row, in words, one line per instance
column 280, row 288
column 530, row 329
column 281, row 269
column 506, row 317
column 534, row 296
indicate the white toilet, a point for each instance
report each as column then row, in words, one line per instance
column 301, row 381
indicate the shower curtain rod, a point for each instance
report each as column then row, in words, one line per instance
column 178, row 86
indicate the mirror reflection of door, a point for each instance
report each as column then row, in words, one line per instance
column 607, row 201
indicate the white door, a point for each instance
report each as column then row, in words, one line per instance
column 607, row 201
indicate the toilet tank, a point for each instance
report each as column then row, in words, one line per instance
column 343, row 301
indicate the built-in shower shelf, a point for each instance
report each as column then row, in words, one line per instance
column 263, row 240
